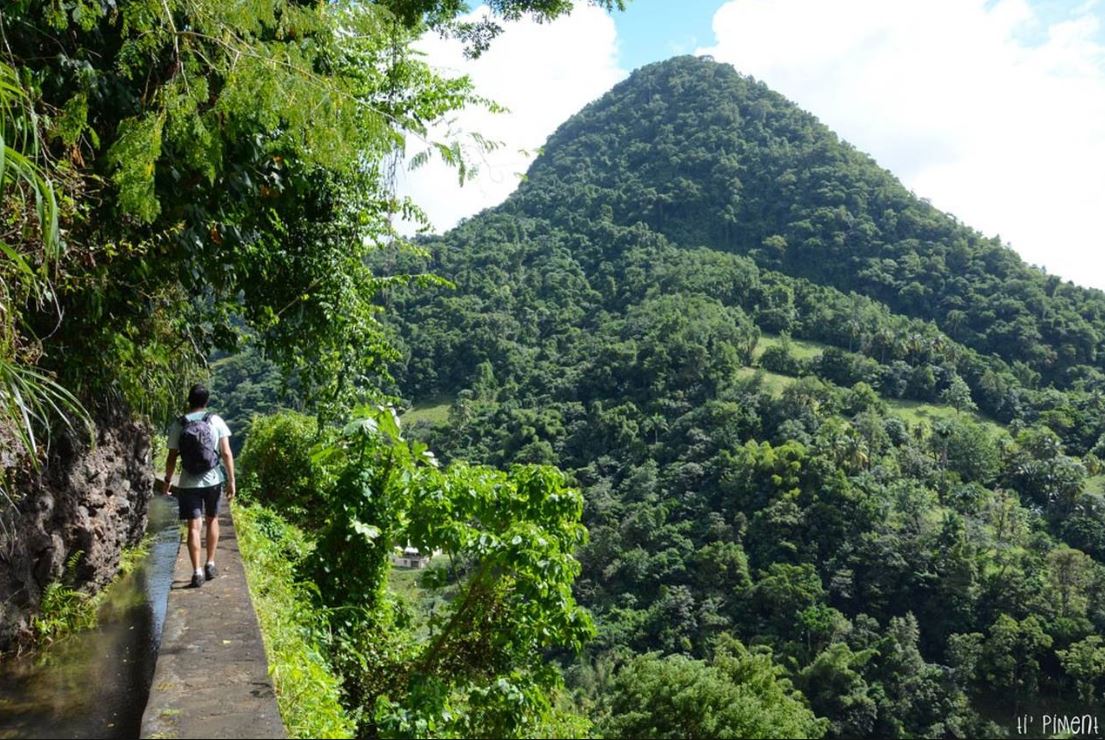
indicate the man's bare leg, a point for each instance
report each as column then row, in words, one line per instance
column 212, row 537
column 194, row 542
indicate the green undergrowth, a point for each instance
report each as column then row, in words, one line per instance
column 919, row 412
column 773, row 383
column 800, row 349
column 432, row 411
column 159, row 453
column 308, row 691
column 422, row 603
column 66, row 610
column 1096, row 484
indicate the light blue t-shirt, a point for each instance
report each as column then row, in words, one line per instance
column 212, row 477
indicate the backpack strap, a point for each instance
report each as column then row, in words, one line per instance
column 207, row 416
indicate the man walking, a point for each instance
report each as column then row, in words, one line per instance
column 200, row 439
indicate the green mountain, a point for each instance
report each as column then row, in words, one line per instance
column 818, row 423
column 710, row 158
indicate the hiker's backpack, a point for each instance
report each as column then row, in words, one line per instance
column 197, row 445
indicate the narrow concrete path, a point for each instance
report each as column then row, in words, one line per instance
column 211, row 679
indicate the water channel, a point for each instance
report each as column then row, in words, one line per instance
column 95, row 684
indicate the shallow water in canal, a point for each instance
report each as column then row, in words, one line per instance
column 95, row 684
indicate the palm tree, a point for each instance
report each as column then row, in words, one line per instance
column 655, row 423
column 856, row 452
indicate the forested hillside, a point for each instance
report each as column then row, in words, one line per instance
column 839, row 455
column 180, row 179
column 710, row 158
column 836, row 447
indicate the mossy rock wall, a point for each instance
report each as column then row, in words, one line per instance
column 92, row 499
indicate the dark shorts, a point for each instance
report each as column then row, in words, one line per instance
column 197, row 502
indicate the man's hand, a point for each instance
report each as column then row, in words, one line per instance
column 228, row 466
column 170, row 468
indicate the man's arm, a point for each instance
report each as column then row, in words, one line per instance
column 228, row 463
column 170, row 468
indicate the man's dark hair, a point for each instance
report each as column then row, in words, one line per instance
column 197, row 396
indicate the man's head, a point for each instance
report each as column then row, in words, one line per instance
column 197, row 396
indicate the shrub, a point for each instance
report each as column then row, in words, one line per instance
column 280, row 470
column 778, row 359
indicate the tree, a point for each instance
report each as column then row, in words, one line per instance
column 1010, row 654
column 740, row 693
column 232, row 164
column 836, row 689
column 1070, row 572
column 479, row 668
column 969, row 450
column 915, row 694
column 1040, row 470
column 1084, row 661
column 958, row 395
column 723, row 567
column 784, row 591
column 861, row 397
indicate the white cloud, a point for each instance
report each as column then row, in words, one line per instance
column 1006, row 135
column 543, row 73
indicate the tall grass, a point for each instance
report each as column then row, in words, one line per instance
column 308, row 690
column 30, row 248
column 29, row 400
column 21, row 153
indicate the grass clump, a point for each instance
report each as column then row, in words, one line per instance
column 308, row 690
column 66, row 610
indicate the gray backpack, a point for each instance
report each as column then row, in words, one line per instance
column 197, row 445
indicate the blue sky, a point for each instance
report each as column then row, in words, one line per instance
column 1054, row 11
column 994, row 110
column 651, row 30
